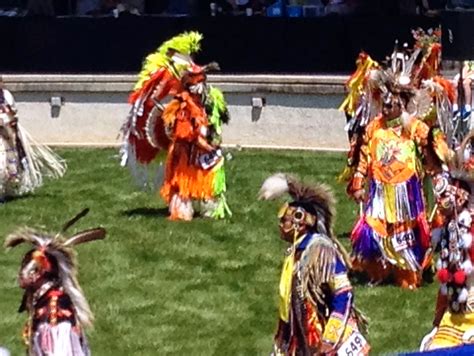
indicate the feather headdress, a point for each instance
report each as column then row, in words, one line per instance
column 317, row 199
column 462, row 164
column 61, row 249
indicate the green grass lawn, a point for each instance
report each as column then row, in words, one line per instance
column 199, row 288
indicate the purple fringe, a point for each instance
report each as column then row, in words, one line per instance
column 415, row 196
column 363, row 240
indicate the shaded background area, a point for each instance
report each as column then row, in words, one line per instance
column 240, row 44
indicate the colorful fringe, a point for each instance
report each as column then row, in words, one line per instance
column 356, row 82
column 222, row 209
column 452, row 330
column 217, row 116
column 394, row 225
column 185, row 178
column 395, row 203
column 61, row 339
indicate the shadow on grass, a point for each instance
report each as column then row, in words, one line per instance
column 345, row 235
column 20, row 197
column 361, row 279
column 152, row 212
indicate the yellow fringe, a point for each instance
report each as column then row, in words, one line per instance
column 355, row 84
column 390, row 203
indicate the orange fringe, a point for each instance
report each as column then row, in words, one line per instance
column 448, row 86
column 376, row 271
column 183, row 176
column 407, row 279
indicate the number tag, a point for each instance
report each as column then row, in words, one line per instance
column 355, row 345
column 401, row 242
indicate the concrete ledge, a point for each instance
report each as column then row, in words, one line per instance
column 110, row 83
column 300, row 111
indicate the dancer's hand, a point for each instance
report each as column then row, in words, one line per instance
column 359, row 195
column 328, row 349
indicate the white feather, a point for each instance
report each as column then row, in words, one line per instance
column 406, row 119
column 462, row 297
column 466, row 240
column 467, row 266
column 273, row 187
column 465, row 218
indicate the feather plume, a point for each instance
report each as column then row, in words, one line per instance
column 71, row 222
column 26, row 235
column 86, row 236
column 219, row 113
column 185, row 43
column 406, row 120
column 273, row 187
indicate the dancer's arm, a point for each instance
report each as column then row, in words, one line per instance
column 341, row 303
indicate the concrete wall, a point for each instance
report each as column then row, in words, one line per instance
column 300, row 111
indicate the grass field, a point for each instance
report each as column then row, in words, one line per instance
column 199, row 288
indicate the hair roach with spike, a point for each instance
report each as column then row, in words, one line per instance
column 317, row 199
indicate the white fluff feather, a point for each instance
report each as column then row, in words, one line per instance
column 273, row 187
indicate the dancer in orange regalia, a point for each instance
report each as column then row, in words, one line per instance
column 400, row 131
column 189, row 175
column 188, row 129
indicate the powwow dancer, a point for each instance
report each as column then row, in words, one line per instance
column 189, row 129
column 144, row 136
column 57, row 309
column 316, row 311
column 398, row 120
column 194, row 166
column 462, row 106
column 23, row 162
column 454, row 316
